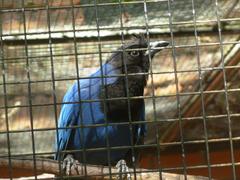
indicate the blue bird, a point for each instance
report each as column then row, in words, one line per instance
column 91, row 103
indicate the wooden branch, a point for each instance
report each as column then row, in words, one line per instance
column 25, row 167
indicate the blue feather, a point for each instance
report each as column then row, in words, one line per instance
column 90, row 113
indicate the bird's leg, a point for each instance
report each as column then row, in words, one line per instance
column 123, row 170
column 68, row 162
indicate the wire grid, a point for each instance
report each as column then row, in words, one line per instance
column 26, row 58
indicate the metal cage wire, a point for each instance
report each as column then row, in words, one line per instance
column 45, row 53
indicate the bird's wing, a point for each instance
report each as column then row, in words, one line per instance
column 70, row 112
column 67, row 118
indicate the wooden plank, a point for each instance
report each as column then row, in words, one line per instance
column 195, row 109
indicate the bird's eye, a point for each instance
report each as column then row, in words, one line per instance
column 134, row 53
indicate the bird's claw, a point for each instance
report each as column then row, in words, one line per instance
column 123, row 170
column 68, row 163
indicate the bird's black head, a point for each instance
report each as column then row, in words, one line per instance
column 134, row 57
column 133, row 60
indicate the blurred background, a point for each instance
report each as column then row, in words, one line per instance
column 192, row 95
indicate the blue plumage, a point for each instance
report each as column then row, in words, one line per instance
column 119, row 135
column 75, row 113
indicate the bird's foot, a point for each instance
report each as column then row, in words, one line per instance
column 123, row 170
column 68, row 163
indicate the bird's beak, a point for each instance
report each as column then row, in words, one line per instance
column 155, row 47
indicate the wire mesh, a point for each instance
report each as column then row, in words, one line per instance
column 191, row 96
